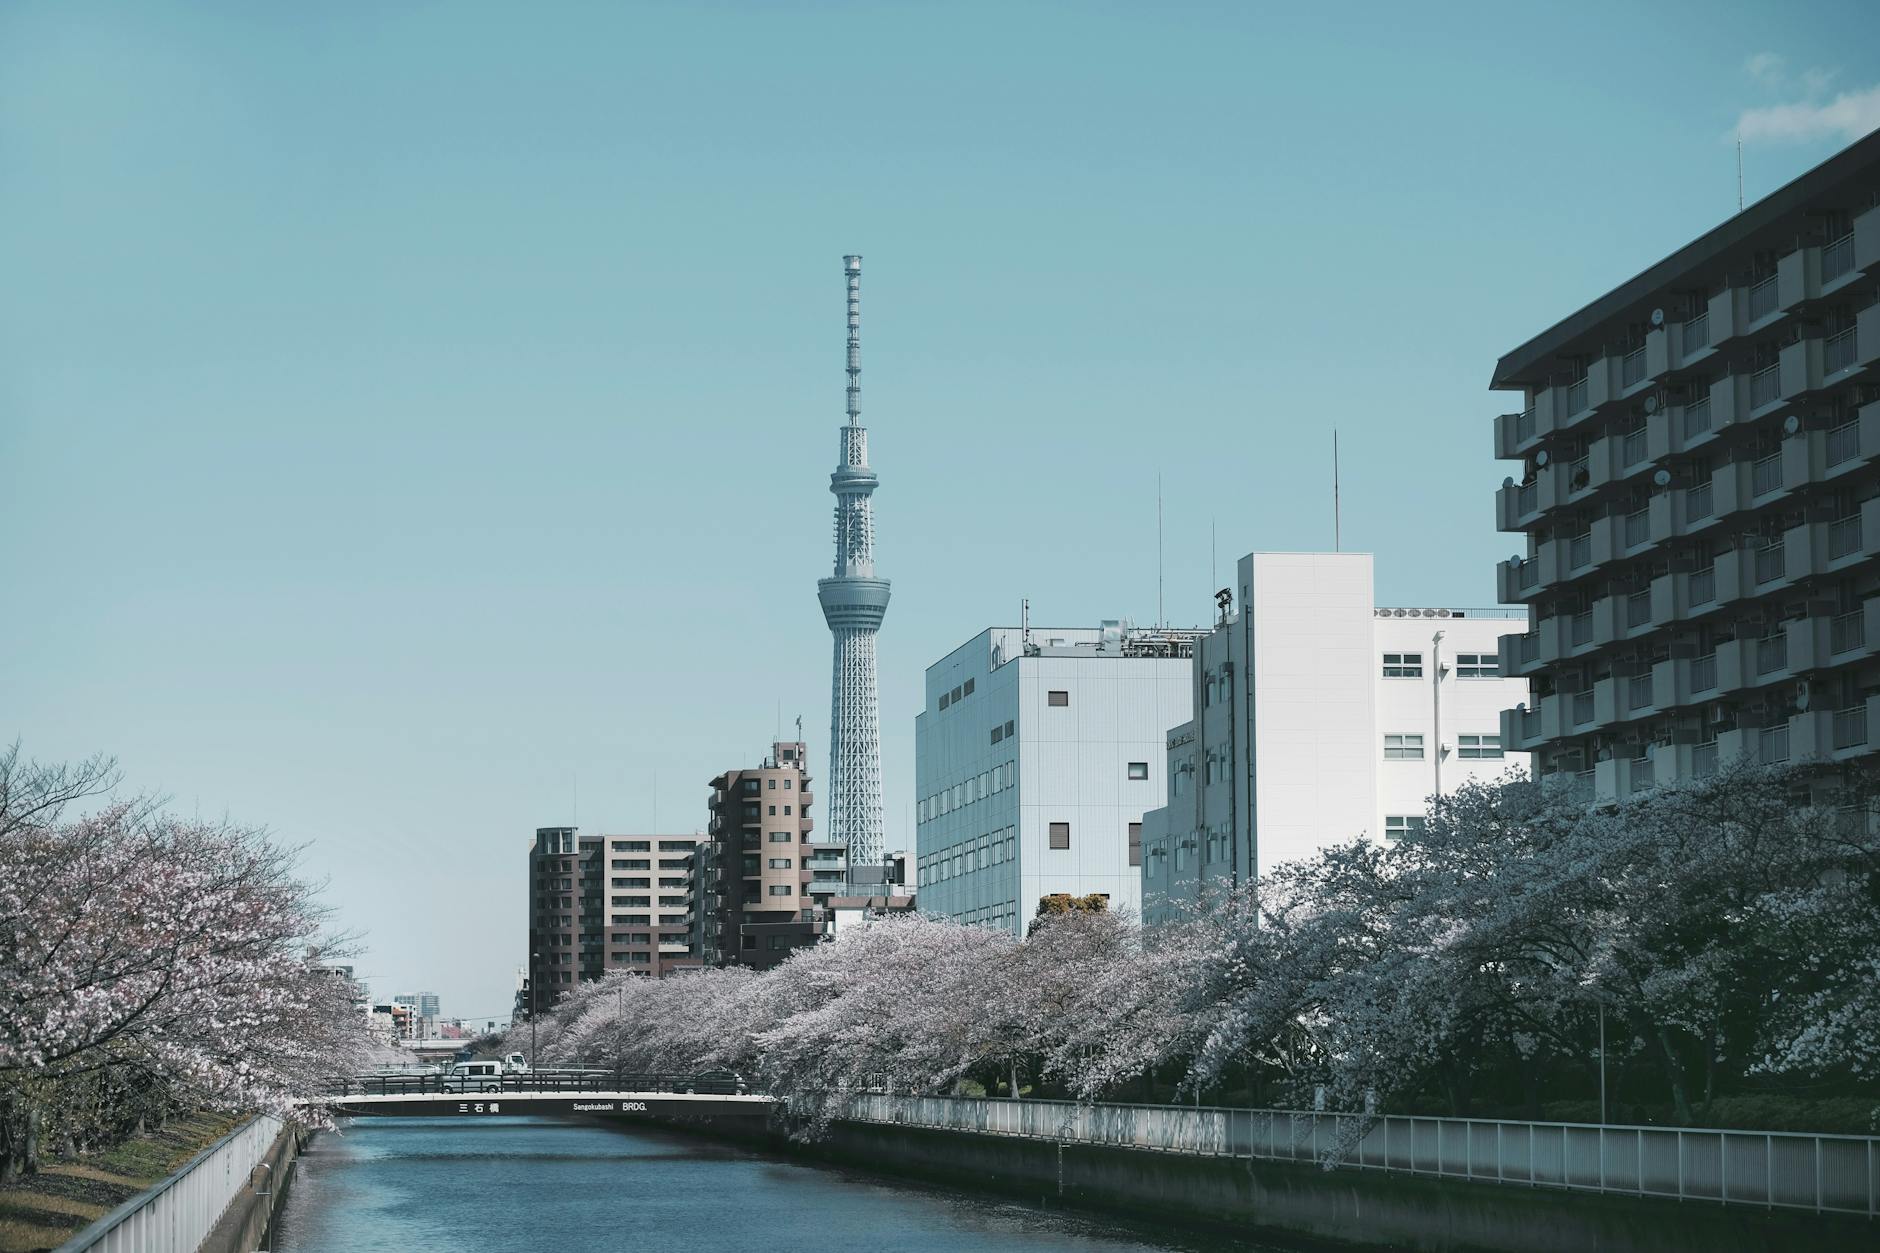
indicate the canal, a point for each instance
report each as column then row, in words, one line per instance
column 420, row 1185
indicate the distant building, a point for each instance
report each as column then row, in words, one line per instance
column 1319, row 717
column 755, row 902
column 599, row 903
column 1697, row 456
column 425, row 1005
column 1036, row 752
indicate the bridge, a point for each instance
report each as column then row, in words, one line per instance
column 557, row 1093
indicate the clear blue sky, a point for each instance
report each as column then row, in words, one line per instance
column 406, row 408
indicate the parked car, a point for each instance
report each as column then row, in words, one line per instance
column 717, row 1083
column 515, row 1064
column 474, row 1077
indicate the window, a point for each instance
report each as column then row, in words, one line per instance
column 1060, row 835
column 786, row 811
column 780, row 837
column 946, row 698
column 1135, row 844
column 1403, row 748
column 631, row 863
column 779, row 863
column 998, row 733
column 789, row 784
column 773, row 785
column 780, row 889
column 1011, row 728
column 966, row 688
column 751, row 785
column 1478, row 666
column 1478, row 747
column 1138, row 769
column 632, row 883
column 773, row 811
column 1396, row 826
column 1057, row 699
column 1403, row 666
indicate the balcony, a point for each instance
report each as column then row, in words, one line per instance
column 1580, row 630
column 1772, row 745
column 1580, row 551
column 1703, row 674
column 1701, row 587
column 1839, row 352
column 1766, row 476
column 1850, row 727
column 1837, row 258
column 1582, row 709
column 1695, row 336
column 1632, row 367
column 1843, row 537
column 1771, row 563
column 1772, row 654
column 1762, row 299
column 1765, row 387
column 1524, row 425
column 1703, row 760
column 1695, row 419
column 1843, row 443
column 1576, row 398
column 1638, row 689
column 1637, row 529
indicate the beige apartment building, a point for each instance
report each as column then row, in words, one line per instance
column 600, row 903
column 756, row 904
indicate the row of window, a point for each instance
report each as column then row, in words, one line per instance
column 1468, row 666
column 991, row 849
column 957, row 694
column 1004, row 915
column 978, row 787
column 1468, row 747
column 751, row 785
column 1000, row 732
column 645, row 846
column 1396, row 826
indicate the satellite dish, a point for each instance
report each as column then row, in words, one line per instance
column 1662, row 477
column 1791, row 424
column 1658, row 317
column 1540, row 457
column 1651, row 404
column 1515, row 561
column 1508, row 482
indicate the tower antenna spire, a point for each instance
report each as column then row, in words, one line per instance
column 854, row 602
column 852, row 267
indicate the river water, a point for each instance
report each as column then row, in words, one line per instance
column 449, row 1185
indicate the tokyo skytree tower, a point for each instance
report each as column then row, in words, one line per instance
column 854, row 602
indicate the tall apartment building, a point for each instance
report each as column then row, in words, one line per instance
column 1319, row 717
column 1699, row 491
column 599, row 903
column 1036, row 752
column 757, row 905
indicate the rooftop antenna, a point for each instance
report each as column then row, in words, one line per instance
column 1159, row 623
column 1024, row 625
column 1739, row 170
column 1338, row 537
column 852, row 266
column 577, row 800
column 1212, row 571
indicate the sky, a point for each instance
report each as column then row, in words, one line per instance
column 416, row 419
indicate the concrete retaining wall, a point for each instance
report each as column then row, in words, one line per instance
column 244, row 1226
column 1282, row 1200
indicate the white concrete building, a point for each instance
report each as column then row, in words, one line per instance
column 1035, row 756
column 1319, row 716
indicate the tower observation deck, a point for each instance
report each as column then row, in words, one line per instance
column 854, row 602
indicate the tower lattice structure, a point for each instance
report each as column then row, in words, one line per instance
column 854, row 602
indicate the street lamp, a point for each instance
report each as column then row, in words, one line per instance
column 535, row 961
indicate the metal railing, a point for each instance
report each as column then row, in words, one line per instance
column 1762, row 299
column 1638, row 692
column 1771, row 562
column 1703, row 673
column 1638, row 609
column 1528, row 498
column 1765, row 386
column 1632, row 367
column 1703, row 760
column 1637, row 527
column 1702, row 588
column 1697, row 332
column 1843, row 536
column 1847, row 631
column 1772, row 745
column 1837, row 257
column 177, row 1215
column 1793, row 1170
column 1582, row 708
column 1844, row 442
column 1642, row 773
column 1696, row 418
column 1576, row 396
column 1766, row 475
column 1579, row 551
column 570, row 1079
column 1633, row 447
column 1524, row 425
column 1772, row 653
column 1838, row 351
column 1580, row 629
column 1850, row 727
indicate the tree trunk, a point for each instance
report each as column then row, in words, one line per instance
column 1013, row 1079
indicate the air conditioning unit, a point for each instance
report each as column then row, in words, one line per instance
column 1804, row 692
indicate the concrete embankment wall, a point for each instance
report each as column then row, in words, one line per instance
column 1288, row 1201
column 244, row 1226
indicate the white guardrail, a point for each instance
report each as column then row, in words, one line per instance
column 177, row 1215
column 1791, row 1170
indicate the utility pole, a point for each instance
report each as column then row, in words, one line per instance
column 1436, row 706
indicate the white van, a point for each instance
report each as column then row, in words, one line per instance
column 474, row 1077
